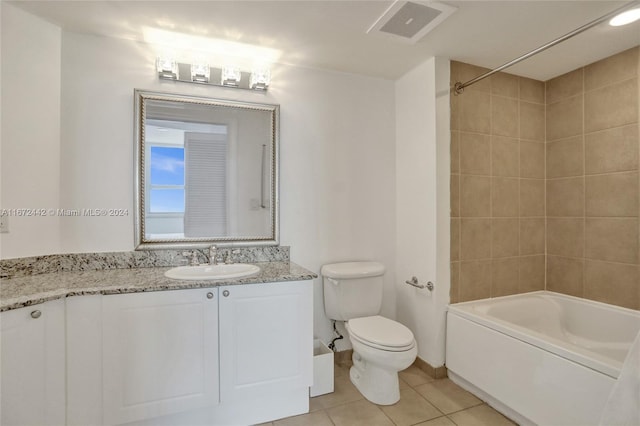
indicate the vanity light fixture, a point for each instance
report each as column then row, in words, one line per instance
column 200, row 72
column 167, row 68
column 626, row 17
column 260, row 78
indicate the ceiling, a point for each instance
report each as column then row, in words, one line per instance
column 332, row 34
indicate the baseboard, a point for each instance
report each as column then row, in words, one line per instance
column 434, row 372
column 343, row 358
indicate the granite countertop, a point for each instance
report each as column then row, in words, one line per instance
column 30, row 290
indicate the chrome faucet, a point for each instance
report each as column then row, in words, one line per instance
column 213, row 255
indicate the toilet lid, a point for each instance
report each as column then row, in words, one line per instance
column 381, row 331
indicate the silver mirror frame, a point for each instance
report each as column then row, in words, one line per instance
column 140, row 97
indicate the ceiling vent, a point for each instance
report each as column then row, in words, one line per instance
column 410, row 21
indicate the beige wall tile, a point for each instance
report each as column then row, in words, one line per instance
column 532, row 159
column 504, row 156
column 532, row 201
column 475, row 280
column 504, row 84
column 455, row 282
column 455, row 152
column 565, row 157
column 504, row 276
column 454, row 120
column 504, row 116
column 465, row 72
column 613, row 69
column 615, row 283
column 531, row 274
column 475, row 196
column 475, row 112
column 475, row 154
column 565, row 237
column 564, row 118
column 505, row 240
column 612, row 150
column 532, row 121
column 504, row 197
column 611, row 106
column 564, row 86
column 612, row 239
column 532, row 236
column 475, row 239
column 612, row 195
column 455, row 239
column 531, row 90
column 455, row 195
column 565, row 275
column 565, row 197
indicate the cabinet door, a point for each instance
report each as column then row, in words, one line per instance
column 160, row 353
column 266, row 339
column 32, row 365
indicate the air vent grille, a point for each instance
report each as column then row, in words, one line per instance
column 410, row 21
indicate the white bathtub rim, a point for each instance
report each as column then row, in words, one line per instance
column 595, row 361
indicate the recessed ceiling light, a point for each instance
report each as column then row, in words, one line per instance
column 625, row 18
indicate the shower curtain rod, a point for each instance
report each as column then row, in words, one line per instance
column 459, row 87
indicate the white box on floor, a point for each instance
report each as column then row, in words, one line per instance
column 322, row 369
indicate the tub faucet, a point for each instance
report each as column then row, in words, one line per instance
column 213, row 255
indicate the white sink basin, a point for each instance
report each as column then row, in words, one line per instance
column 212, row 272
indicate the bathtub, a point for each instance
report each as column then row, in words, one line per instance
column 542, row 357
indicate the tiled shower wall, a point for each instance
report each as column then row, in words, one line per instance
column 544, row 183
column 592, row 181
column 497, row 185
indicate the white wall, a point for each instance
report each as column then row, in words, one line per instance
column 337, row 168
column 30, row 134
column 422, row 191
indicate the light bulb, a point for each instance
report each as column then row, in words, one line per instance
column 230, row 76
column 200, row 72
column 260, row 78
column 625, row 18
column 167, row 67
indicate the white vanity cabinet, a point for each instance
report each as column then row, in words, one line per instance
column 239, row 354
column 266, row 340
column 32, row 365
column 160, row 353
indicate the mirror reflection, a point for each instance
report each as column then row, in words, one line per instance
column 206, row 171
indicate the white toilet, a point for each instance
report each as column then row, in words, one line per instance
column 381, row 347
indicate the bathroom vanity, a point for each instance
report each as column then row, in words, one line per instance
column 203, row 352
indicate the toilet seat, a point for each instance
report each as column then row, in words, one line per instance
column 381, row 333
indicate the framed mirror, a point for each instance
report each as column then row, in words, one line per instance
column 206, row 172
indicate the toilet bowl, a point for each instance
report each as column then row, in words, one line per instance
column 381, row 348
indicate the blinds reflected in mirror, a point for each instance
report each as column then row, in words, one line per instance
column 206, row 203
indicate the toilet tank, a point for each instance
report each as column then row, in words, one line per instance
column 352, row 289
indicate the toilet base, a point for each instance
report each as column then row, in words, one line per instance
column 378, row 385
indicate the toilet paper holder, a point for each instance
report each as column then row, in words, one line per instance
column 414, row 282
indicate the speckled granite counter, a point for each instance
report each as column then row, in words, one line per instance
column 30, row 290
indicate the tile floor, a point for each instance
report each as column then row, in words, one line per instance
column 423, row 401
